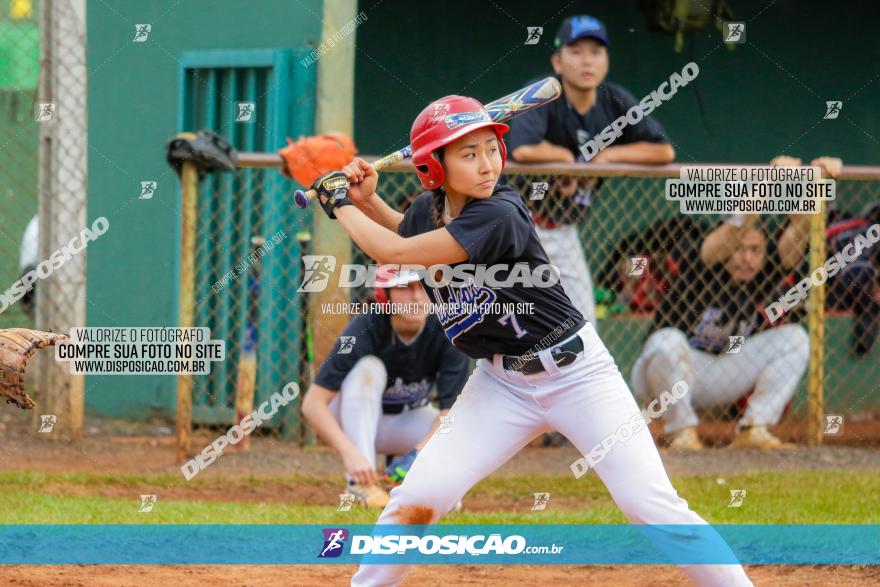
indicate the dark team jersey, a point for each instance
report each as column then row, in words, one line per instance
column 412, row 369
column 498, row 229
column 709, row 307
column 559, row 123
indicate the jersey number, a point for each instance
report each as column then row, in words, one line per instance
column 516, row 327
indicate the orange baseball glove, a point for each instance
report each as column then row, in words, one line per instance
column 311, row 157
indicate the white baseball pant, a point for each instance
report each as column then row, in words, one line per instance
column 500, row 411
column 772, row 362
column 565, row 250
column 358, row 409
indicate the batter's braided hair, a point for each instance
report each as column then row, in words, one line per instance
column 438, row 195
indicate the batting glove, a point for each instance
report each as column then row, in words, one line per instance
column 332, row 189
column 398, row 467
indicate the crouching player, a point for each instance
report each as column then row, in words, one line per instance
column 373, row 392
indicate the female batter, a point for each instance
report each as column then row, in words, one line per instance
column 541, row 369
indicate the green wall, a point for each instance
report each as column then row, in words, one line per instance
column 133, row 112
column 763, row 98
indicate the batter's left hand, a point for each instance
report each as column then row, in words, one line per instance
column 332, row 189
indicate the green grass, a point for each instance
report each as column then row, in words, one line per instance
column 802, row 497
column 807, row 497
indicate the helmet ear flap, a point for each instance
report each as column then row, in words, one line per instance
column 433, row 172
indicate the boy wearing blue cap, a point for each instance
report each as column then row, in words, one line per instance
column 557, row 131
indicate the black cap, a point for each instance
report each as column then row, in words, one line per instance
column 581, row 27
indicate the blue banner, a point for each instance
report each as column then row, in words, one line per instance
column 441, row 544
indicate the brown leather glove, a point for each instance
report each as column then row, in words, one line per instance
column 17, row 345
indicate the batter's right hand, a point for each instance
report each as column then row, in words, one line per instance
column 359, row 468
column 363, row 179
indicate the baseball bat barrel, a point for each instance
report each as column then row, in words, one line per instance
column 501, row 110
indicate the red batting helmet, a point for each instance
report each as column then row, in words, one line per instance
column 391, row 276
column 442, row 122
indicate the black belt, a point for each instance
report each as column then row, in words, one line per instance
column 564, row 354
column 400, row 408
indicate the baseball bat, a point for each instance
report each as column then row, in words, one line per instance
column 246, row 378
column 501, row 110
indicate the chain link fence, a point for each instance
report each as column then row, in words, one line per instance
column 631, row 262
column 245, row 279
column 19, row 75
column 629, row 258
column 62, row 114
column 852, row 359
column 43, row 81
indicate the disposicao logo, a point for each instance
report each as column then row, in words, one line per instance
column 334, row 542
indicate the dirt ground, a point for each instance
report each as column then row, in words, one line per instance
column 147, row 449
column 111, row 446
column 421, row 575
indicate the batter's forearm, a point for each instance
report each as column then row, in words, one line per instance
column 382, row 213
column 383, row 245
column 374, row 239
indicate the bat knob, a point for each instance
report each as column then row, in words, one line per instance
column 300, row 198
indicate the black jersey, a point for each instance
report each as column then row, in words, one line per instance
column 412, row 368
column 559, row 123
column 496, row 230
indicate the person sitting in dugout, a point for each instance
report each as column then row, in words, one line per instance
column 713, row 333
